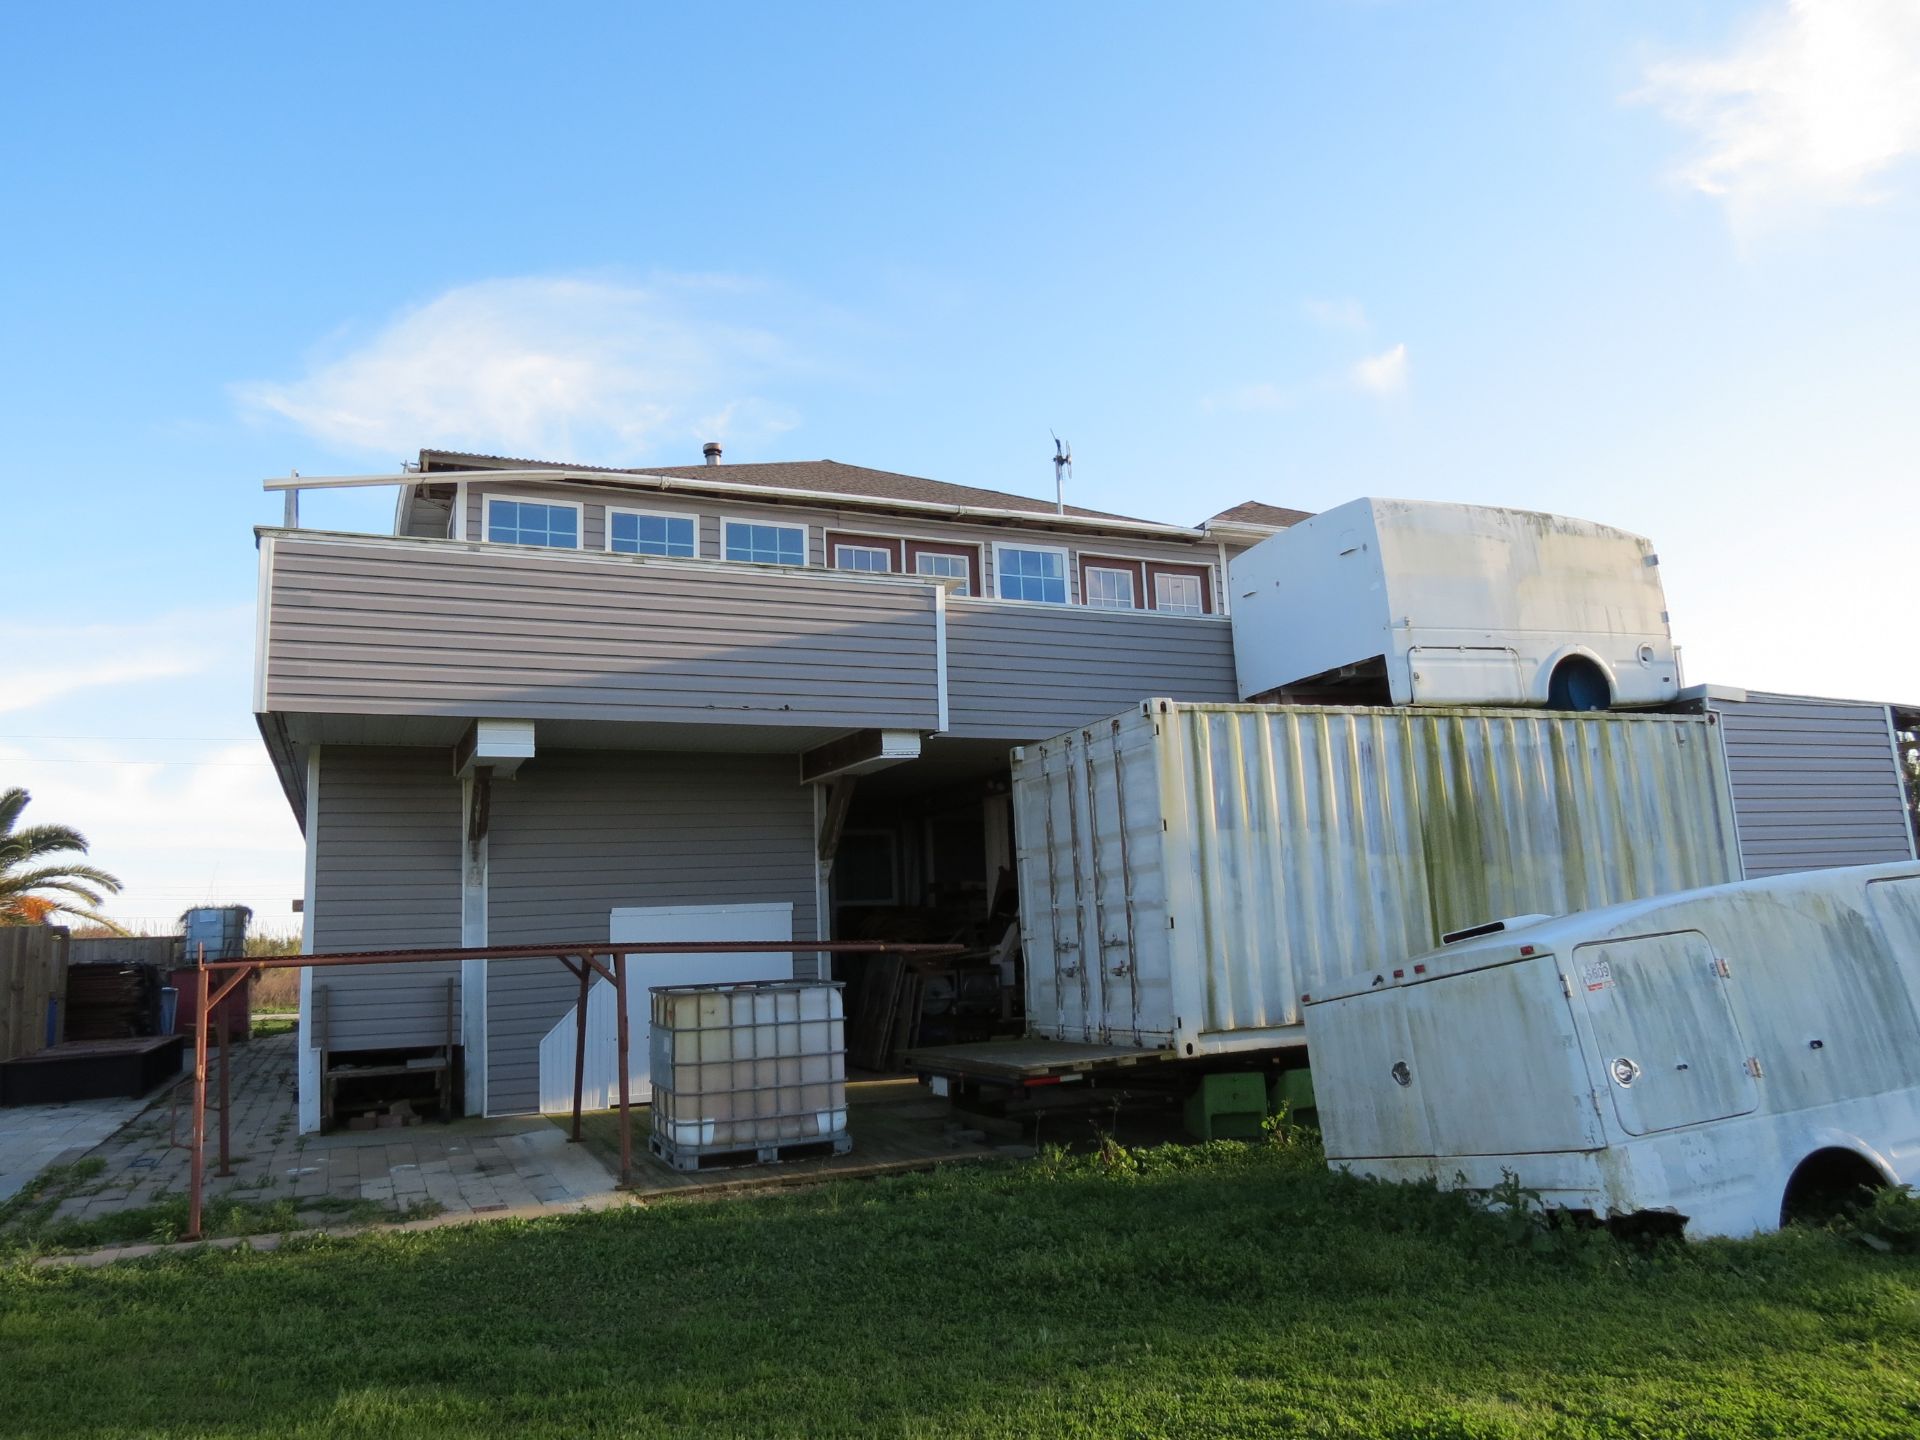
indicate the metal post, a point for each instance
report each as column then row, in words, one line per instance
column 197, row 1162
column 225, row 1168
column 580, row 1046
column 626, row 1115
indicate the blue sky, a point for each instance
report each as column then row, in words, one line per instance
column 1653, row 264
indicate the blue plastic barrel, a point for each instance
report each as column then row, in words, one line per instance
column 169, row 1008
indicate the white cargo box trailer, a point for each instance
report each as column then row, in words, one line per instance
column 1728, row 1056
column 1438, row 604
column 1187, row 871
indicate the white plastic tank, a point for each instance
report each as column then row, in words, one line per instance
column 1415, row 602
column 753, row 1066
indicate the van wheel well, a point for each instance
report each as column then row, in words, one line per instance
column 1578, row 684
column 1828, row 1183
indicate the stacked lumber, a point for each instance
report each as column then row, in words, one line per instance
column 112, row 1001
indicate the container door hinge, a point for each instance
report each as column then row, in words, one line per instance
column 1721, row 968
column 1754, row 1068
column 1566, row 986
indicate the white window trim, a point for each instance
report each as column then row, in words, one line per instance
column 579, row 518
column 1000, row 547
column 1135, row 601
column 972, row 581
column 606, row 531
column 806, row 540
column 1202, row 583
column 840, row 547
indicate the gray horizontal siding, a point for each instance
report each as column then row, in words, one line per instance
column 385, row 627
column 386, row 877
column 577, row 835
column 1816, row 783
column 1020, row 672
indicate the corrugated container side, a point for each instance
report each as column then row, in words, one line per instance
column 1208, row 863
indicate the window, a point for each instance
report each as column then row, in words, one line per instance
column 1108, row 589
column 868, row 558
column 1178, row 595
column 1029, row 574
column 634, row 532
column 528, row 522
column 946, row 567
column 865, row 870
column 766, row 544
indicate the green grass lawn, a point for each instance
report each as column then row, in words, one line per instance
column 1224, row 1290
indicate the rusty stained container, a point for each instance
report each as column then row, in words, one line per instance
column 1188, row 871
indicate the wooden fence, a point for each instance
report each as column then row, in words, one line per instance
column 33, row 970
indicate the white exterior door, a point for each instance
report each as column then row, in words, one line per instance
column 649, row 924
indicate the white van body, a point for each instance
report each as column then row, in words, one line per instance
column 1708, row 1054
column 1465, row 604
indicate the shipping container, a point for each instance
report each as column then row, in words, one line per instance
column 1188, row 871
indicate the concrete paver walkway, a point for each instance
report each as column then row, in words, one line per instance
column 470, row 1165
column 32, row 1137
column 431, row 1174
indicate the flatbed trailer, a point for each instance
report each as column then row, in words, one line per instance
column 1033, row 1075
column 1029, row 1060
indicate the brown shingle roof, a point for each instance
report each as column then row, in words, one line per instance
column 1255, row 512
column 829, row 477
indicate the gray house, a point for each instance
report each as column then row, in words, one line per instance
column 559, row 699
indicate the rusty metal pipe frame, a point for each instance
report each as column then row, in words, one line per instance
column 580, row 959
column 587, row 950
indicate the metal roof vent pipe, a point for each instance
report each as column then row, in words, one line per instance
column 712, row 451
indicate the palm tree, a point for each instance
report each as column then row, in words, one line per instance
column 20, row 876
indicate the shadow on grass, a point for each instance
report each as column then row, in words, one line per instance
column 1216, row 1290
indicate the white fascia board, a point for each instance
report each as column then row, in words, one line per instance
column 1726, row 694
column 262, row 624
column 502, row 744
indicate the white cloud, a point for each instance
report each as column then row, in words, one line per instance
column 89, row 657
column 546, row 366
column 179, row 824
column 1811, row 108
column 1383, row 374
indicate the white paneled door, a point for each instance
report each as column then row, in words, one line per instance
column 648, row 924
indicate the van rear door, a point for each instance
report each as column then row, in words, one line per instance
column 1499, row 1061
column 1363, row 1078
column 1665, row 1030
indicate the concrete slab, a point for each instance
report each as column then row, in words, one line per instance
column 32, row 1137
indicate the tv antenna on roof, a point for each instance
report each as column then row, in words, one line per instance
column 1062, row 468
